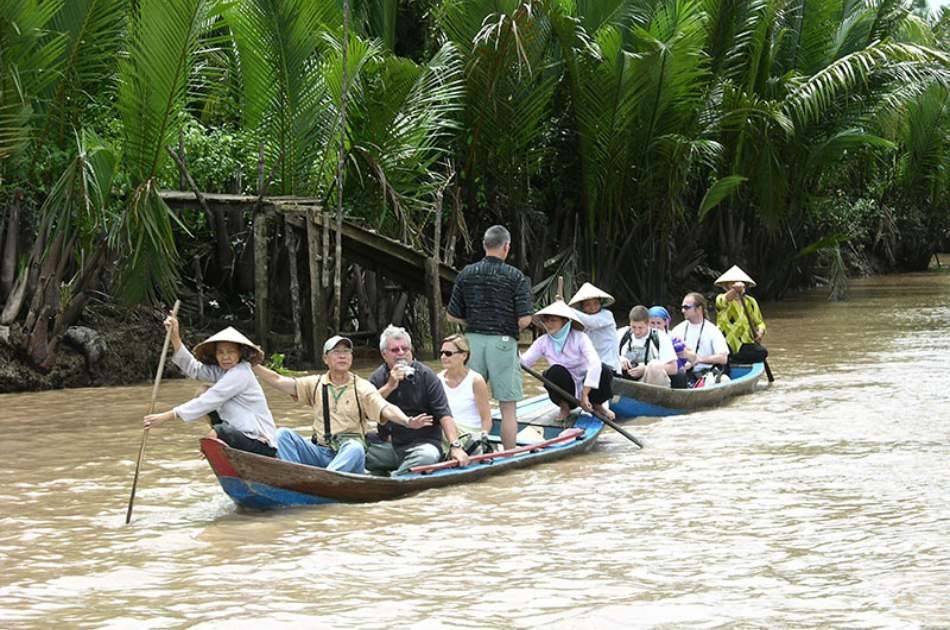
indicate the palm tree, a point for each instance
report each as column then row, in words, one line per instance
column 153, row 82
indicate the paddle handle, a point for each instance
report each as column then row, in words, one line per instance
column 576, row 403
column 151, row 409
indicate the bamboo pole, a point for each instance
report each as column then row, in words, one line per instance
column 151, row 410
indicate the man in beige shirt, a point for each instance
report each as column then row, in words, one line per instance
column 342, row 404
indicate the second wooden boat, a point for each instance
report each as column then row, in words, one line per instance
column 632, row 398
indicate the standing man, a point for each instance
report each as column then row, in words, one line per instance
column 492, row 300
column 342, row 403
column 414, row 388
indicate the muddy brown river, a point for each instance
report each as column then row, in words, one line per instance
column 822, row 501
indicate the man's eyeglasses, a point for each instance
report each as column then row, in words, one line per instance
column 686, row 307
column 449, row 353
column 400, row 349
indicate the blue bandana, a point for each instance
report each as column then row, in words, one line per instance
column 559, row 338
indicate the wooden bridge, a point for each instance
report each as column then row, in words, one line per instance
column 408, row 266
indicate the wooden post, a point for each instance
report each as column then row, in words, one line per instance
column 261, row 289
column 435, row 303
column 318, row 307
column 290, row 235
column 199, row 285
column 432, row 279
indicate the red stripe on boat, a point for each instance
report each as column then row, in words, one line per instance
column 213, row 449
column 567, row 435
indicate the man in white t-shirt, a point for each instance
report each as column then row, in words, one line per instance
column 646, row 355
column 705, row 345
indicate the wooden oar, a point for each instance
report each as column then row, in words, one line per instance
column 576, row 403
column 768, row 370
column 151, row 409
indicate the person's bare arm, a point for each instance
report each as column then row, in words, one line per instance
column 275, row 380
column 453, row 318
column 524, row 322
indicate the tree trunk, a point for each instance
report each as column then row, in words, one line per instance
column 366, row 293
column 9, row 247
column 67, row 316
column 50, row 274
column 28, row 274
column 399, row 310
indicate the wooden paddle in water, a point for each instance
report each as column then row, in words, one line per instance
column 151, row 409
column 576, row 403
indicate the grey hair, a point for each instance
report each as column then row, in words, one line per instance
column 393, row 332
column 496, row 236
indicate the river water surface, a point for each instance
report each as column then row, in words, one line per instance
column 819, row 502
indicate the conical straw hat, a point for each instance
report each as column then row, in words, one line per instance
column 204, row 351
column 561, row 309
column 734, row 275
column 590, row 292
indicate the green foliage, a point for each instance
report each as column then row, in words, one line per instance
column 650, row 136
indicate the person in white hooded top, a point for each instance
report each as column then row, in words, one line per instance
column 590, row 304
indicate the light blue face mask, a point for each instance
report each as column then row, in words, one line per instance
column 559, row 338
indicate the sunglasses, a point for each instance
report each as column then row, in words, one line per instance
column 686, row 307
column 451, row 353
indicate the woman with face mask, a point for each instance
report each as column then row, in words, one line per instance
column 575, row 365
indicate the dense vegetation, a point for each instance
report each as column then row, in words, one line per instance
column 638, row 143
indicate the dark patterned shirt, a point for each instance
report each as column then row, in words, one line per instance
column 490, row 296
column 420, row 393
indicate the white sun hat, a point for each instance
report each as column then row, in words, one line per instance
column 734, row 275
column 561, row 309
column 334, row 341
column 204, row 351
column 590, row 292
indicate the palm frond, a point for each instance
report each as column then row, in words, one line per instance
column 279, row 45
column 30, row 58
column 93, row 30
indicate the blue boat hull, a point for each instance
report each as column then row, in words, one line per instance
column 265, row 483
column 632, row 399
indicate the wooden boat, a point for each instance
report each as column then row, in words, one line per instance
column 633, row 399
column 262, row 482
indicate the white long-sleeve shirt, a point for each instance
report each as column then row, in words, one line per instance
column 602, row 330
column 236, row 396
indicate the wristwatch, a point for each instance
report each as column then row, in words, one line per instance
column 456, row 444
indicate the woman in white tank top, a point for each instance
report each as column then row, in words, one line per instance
column 465, row 388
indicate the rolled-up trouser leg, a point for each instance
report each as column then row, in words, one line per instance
column 559, row 375
column 350, row 458
column 655, row 374
column 422, row 454
column 604, row 388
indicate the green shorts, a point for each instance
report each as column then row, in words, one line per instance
column 496, row 358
